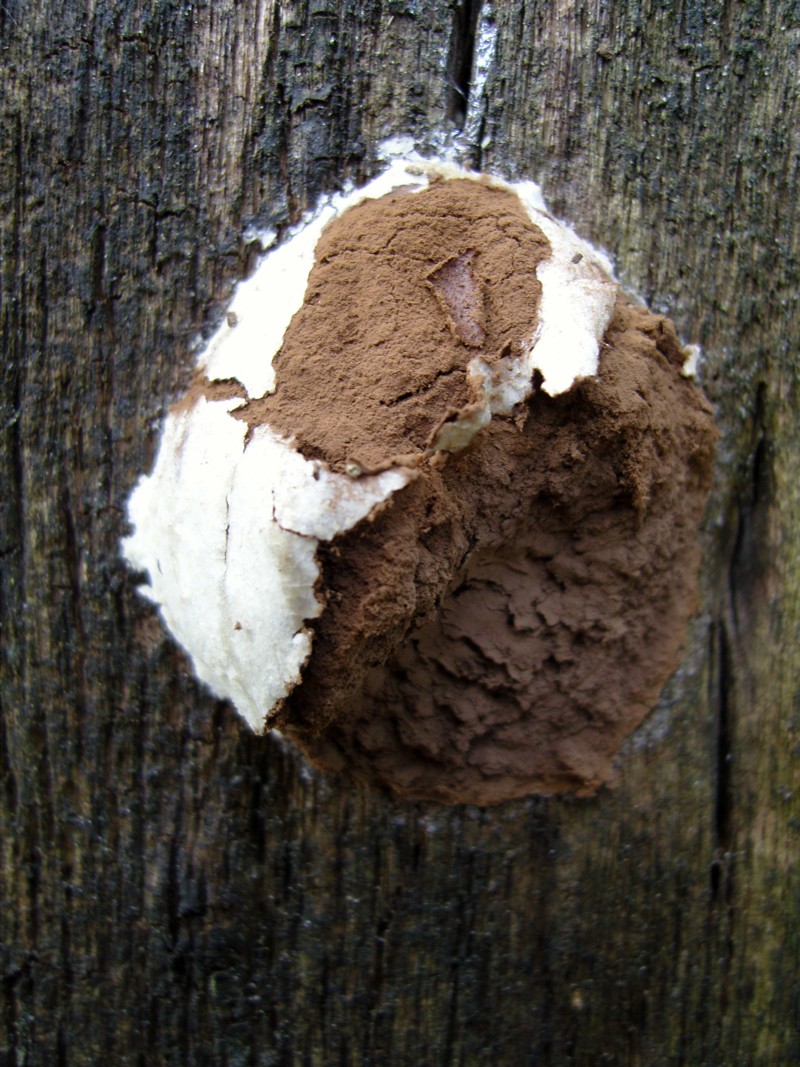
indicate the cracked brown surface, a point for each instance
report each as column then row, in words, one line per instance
column 405, row 291
column 504, row 622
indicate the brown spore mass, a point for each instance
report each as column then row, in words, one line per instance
column 405, row 291
column 504, row 622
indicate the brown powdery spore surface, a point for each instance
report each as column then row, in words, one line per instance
column 405, row 291
column 504, row 622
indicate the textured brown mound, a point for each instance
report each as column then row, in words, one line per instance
column 508, row 618
column 405, row 291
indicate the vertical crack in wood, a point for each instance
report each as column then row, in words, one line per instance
column 746, row 590
column 10, row 1017
column 750, row 553
column 732, row 634
column 474, row 131
column 722, row 867
column 723, row 810
column 466, row 15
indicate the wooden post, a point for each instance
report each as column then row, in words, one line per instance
column 174, row 890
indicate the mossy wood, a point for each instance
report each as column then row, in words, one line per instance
column 175, row 890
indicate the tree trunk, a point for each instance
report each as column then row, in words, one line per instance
column 176, row 890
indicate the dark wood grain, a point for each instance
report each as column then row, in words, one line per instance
column 174, row 890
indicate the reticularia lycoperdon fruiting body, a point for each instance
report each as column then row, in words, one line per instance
column 430, row 507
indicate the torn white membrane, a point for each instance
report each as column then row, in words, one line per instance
column 227, row 528
column 229, row 534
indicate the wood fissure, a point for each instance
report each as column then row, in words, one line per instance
column 466, row 16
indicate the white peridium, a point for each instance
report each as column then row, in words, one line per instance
column 228, row 534
column 227, row 527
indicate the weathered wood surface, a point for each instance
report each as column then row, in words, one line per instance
column 174, row 890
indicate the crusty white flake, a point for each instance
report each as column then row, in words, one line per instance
column 228, row 534
column 692, row 360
